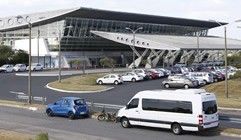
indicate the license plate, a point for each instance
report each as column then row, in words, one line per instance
column 82, row 112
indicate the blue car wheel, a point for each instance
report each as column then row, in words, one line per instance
column 71, row 115
column 49, row 113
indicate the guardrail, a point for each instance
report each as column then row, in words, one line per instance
column 101, row 105
column 35, row 98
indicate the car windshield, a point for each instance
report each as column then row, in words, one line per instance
column 17, row 65
column 4, row 66
column 79, row 102
column 209, row 107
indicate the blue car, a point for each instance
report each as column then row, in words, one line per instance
column 71, row 107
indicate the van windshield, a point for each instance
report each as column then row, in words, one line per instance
column 210, row 107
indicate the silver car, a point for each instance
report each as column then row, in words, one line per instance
column 180, row 82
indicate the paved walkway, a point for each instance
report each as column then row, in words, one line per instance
column 71, row 72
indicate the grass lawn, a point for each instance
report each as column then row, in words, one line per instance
column 80, row 83
column 88, row 83
column 10, row 135
column 234, row 93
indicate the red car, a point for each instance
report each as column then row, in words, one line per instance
column 153, row 74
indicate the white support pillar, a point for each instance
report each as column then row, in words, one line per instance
column 201, row 55
column 186, row 56
column 153, row 63
column 212, row 55
column 139, row 59
column 171, row 56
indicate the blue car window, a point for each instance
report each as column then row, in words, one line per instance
column 66, row 102
column 59, row 102
column 79, row 102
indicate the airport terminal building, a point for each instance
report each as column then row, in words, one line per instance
column 91, row 34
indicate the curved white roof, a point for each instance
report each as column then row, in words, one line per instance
column 13, row 22
column 165, row 42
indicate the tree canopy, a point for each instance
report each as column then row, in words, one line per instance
column 9, row 56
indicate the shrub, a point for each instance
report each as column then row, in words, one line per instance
column 42, row 136
column 237, row 75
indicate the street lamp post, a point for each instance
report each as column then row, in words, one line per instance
column 38, row 43
column 134, row 41
column 60, row 33
column 59, row 41
column 29, row 61
column 225, row 59
column 198, row 47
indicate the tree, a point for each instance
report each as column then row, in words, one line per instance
column 6, row 54
column 235, row 60
column 20, row 56
column 108, row 62
column 78, row 64
column 71, row 62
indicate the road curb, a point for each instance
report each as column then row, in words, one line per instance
column 60, row 90
column 22, row 107
column 230, row 134
column 224, row 108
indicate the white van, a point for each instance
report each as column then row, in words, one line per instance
column 188, row 110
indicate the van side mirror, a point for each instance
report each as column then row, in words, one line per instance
column 127, row 106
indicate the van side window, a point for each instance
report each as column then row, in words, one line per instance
column 167, row 106
column 184, row 107
column 133, row 104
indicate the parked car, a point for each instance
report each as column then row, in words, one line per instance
column 71, row 107
column 165, row 71
column 175, row 70
column 6, row 68
column 180, row 82
column 19, row 67
column 158, row 72
column 177, row 77
column 35, row 67
column 152, row 74
column 131, row 76
column 206, row 76
column 143, row 73
column 110, row 79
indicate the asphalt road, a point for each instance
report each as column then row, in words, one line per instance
column 61, row 128
column 120, row 95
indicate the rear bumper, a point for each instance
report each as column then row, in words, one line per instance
column 201, row 128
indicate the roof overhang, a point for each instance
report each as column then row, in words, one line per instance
column 11, row 23
column 165, row 42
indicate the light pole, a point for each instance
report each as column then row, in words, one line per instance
column 60, row 33
column 198, row 47
column 38, row 43
column 59, row 41
column 134, row 41
column 29, row 61
column 225, row 54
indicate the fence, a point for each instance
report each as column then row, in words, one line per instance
column 100, row 105
column 34, row 98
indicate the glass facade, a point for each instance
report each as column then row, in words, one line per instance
column 79, row 38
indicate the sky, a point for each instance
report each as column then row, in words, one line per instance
column 219, row 10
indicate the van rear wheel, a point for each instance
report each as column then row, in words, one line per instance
column 176, row 129
column 125, row 123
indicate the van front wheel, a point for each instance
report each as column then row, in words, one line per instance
column 125, row 123
column 176, row 129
